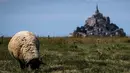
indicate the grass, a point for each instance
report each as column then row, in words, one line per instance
column 75, row 55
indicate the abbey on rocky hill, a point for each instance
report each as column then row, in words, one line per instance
column 98, row 25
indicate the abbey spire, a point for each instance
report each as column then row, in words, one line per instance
column 97, row 11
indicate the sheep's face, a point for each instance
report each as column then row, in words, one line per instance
column 34, row 63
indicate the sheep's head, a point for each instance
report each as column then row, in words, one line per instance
column 34, row 63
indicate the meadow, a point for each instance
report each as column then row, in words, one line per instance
column 75, row 55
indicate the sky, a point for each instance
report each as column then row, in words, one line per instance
column 58, row 17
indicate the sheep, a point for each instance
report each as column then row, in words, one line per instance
column 24, row 47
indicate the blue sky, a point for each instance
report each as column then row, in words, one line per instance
column 58, row 17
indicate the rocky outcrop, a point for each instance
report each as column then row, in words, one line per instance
column 98, row 25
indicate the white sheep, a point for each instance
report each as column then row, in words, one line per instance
column 24, row 47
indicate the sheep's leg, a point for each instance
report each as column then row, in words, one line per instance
column 22, row 65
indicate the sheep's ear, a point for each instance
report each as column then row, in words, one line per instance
column 41, row 60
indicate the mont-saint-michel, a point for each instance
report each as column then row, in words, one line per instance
column 98, row 25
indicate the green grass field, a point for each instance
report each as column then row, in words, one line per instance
column 75, row 55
